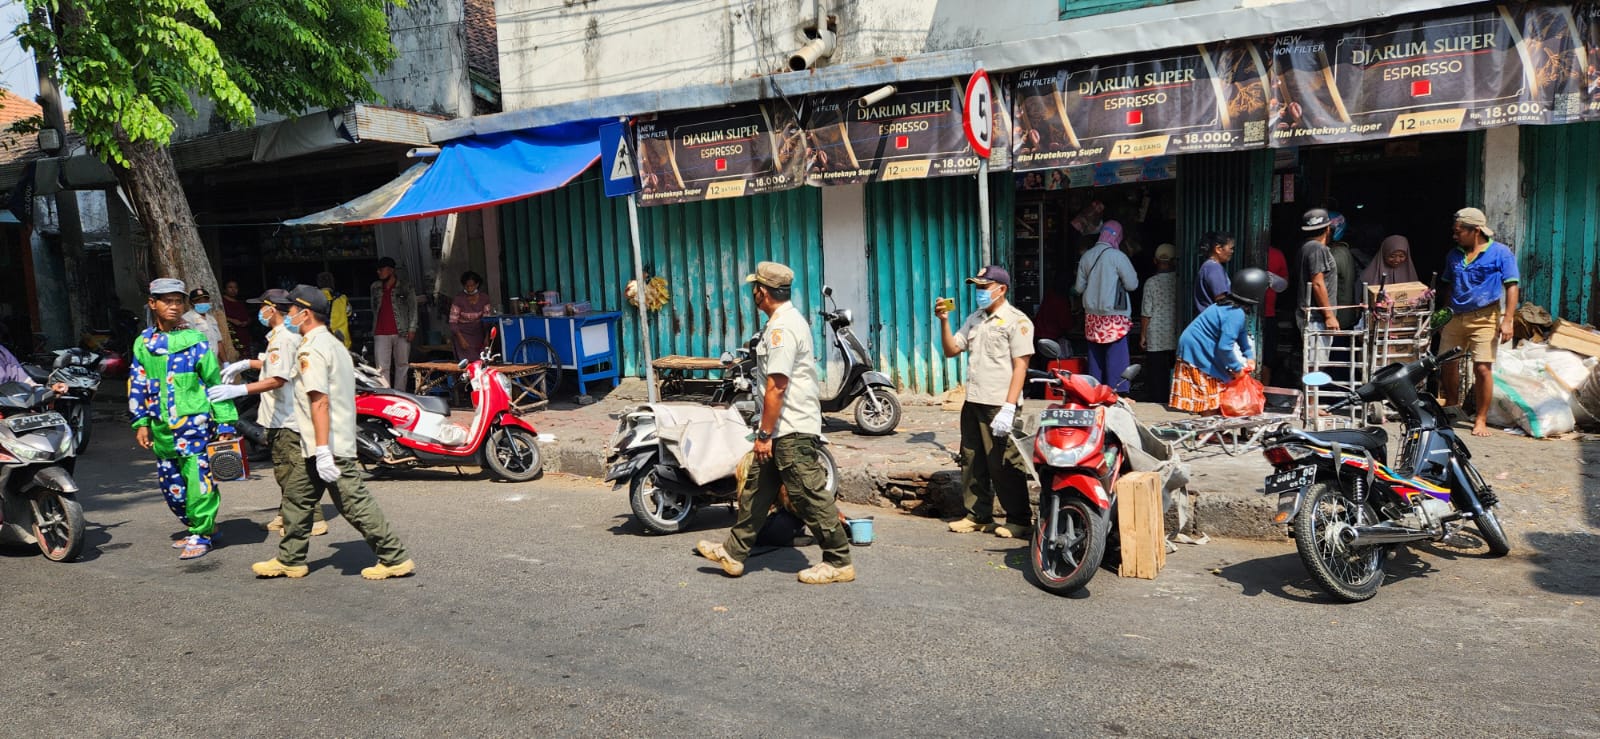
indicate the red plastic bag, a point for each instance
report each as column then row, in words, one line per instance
column 1243, row 397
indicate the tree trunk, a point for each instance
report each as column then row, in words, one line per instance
column 152, row 183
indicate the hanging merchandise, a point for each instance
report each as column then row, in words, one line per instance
column 656, row 293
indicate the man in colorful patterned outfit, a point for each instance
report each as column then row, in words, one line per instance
column 173, row 366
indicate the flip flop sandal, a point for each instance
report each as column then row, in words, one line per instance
column 195, row 548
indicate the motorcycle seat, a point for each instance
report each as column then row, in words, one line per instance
column 429, row 403
column 1372, row 438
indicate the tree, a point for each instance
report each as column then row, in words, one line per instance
column 130, row 65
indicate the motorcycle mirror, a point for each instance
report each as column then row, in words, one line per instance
column 494, row 331
column 1316, row 379
column 462, row 364
column 1132, row 371
column 727, row 358
column 827, row 292
column 1049, row 349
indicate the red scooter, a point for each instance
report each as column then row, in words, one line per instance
column 398, row 431
column 1076, row 462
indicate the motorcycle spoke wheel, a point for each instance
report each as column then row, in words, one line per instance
column 1348, row 574
column 660, row 511
column 512, row 454
column 1063, row 557
column 877, row 412
column 58, row 525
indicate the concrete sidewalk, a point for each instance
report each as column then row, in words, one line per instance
column 1546, row 485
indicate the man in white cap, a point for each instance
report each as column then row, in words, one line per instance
column 788, row 439
column 1478, row 274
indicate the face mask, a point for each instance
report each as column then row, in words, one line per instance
column 985, row 298
column 294, row 328
column 202, row 308
column 471, row 291
column 264, row 319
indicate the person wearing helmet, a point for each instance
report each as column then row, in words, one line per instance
column 1216, row 348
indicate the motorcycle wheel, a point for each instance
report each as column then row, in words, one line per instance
column 82, row 422
column 1489, row 525
column 877, row 412
column 58, row 525
column 1081, row 538
column 833, row 470
column 1349, row 575
column 659, row 511
column 512, row 454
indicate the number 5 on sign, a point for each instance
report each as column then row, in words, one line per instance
column 978, row 121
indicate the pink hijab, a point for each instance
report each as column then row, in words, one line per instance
column 1381, row 273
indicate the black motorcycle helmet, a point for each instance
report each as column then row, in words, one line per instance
column 1249, row 286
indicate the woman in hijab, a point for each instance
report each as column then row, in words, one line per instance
column 1392, row 265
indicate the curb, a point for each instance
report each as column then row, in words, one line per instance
column 919, row 490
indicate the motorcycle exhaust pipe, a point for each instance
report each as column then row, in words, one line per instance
column 1367, row 536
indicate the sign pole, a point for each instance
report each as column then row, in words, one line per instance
column 639, row 295
column 984, row 236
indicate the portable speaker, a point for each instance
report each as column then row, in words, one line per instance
column 228, row 462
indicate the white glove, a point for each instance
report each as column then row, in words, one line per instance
column 219, row 393
column 1001, row 425
column 326, row 469
column 233, row 369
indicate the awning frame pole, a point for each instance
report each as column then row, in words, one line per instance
column 640, row 291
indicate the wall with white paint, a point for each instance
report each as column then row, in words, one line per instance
column 1502, row 182
column 844, row 266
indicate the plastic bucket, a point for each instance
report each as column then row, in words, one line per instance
column 860, row 531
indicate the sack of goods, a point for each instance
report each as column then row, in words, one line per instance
column 441, row 431
column 1527, row 394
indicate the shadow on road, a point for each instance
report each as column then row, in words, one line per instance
column 1285, row 575
column 1569, row 562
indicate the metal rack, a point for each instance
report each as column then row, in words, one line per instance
column 1388, row 332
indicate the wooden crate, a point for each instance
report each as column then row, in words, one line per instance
column 1575, row 338
column 1141, row 525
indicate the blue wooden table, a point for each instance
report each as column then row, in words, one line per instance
column 585, row 344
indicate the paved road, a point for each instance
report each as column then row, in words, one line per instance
column 538, row 609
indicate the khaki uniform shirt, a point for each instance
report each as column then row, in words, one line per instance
column 281, row 360
column 991, row 341
column 325, row 368
column 785, row 349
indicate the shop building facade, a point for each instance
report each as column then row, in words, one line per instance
column 890, row 247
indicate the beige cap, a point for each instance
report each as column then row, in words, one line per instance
column 772, row 275
column 1166, row 253
column 1474, row 218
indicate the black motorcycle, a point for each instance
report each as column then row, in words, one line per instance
column 878, row 411
column 79, row 370
column 1346, row 506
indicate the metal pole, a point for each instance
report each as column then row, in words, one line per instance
column 639, row 295
column 983, row 211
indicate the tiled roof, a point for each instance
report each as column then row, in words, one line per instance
column 483, row 46
column 14, row 108
column 17, row 146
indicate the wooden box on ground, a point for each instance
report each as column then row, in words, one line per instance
column 1141, row 524
column 1575, row 338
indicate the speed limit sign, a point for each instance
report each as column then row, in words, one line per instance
column 979, row 119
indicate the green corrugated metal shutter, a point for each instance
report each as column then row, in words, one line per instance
column 922, row 243
column 575, row 240
column 1228, row 192
column 1560, row 259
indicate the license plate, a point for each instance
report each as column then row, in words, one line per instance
column 24, row 424
column 1067, row 417
column 624, row 469
column 1291, row 481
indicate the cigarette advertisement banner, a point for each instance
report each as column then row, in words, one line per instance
column 1586, row 17
column 1204, row 98
column 723, row 153
column 913, row 134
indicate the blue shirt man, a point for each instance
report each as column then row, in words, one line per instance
column 1478, row 273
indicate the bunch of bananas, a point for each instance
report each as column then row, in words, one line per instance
column 656, row 293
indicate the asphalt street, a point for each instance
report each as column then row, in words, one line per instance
column 540, row 609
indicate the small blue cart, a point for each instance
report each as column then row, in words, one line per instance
column 585, row 344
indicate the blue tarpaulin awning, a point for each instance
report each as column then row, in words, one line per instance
column 475, row 172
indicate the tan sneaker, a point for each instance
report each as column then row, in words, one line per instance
column 967, row 526
column 381, row 571
column 825, row 573
column 276, row 524
column 1012, row 531
column 318, row 528
column 719, row 554
column 274, row 568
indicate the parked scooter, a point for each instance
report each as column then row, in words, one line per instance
column 1076, row 461
column 38, row 497
column 878, row 412
column 679, row 457
column 1345, row 506
column 79, row 370
column 256, row 445
column 398, row 430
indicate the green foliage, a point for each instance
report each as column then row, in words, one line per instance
column 130, row 64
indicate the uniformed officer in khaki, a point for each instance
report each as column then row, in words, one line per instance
column 788, row 438
column 325, row 411
column 998, row 340
column 278, row 367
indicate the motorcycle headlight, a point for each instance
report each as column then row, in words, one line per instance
column 504, row 383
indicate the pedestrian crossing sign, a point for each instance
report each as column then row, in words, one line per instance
column 616, row 160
